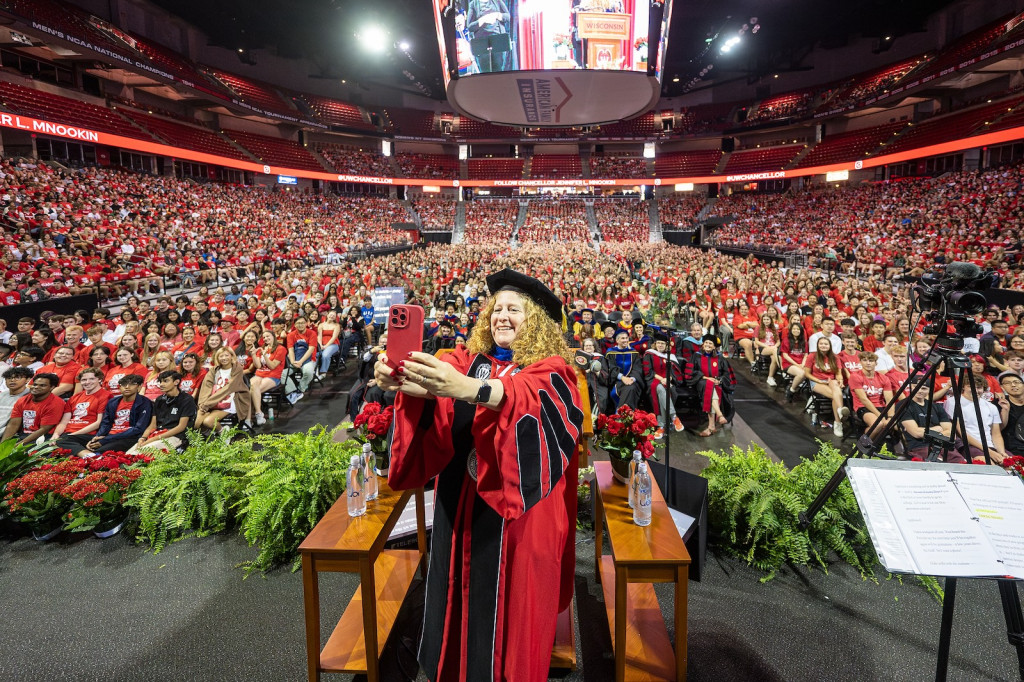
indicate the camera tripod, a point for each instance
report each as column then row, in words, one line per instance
column 946, row 353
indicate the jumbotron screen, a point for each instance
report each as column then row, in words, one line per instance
column 527, row 35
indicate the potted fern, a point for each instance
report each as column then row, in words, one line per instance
column 288, row 490
column 191, row 494
column 754, row 506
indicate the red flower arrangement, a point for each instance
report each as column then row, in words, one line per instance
column 36, row 498
column 1014, row 464
column 98, row 497
column 116, row 460
column 373, row 424
column 625, row 431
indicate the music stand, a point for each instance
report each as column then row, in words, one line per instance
column 487, row 46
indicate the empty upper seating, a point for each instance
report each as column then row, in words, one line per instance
column 556, row 166
column 685, row 164
column 951, row 127
column 45, row 105
column 495, row 169
column 188, row 137
column 253, row 92
column 851, row 145
column 412, row 122
column 763, row 159
column 468, row 128
column 641, row 126
column 335, row 112
column 277, row 151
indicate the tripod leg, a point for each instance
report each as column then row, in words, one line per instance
column 945, row 630
column 1014, row 620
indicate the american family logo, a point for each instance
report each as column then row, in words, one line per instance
column 538, row 96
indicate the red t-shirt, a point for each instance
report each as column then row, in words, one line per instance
column 117, row 372
column 67, row 374
column 278, row 355
column 86, row 409
column 309, row 336
column 873, row 388
column 189, row 384
column 850, row 361
column 82, row 355
column 122, row 418
column 817, row 372
column 34, row 415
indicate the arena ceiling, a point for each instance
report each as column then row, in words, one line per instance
column 323, row 32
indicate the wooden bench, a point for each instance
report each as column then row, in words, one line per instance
column 341, row 543
column 640, row 556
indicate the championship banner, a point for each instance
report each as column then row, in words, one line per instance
column 383, row 299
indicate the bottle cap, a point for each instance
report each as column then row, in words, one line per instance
column 366, row 447
column 643, row 466
column 354, row 461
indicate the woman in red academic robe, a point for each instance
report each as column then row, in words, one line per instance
column 497, row 423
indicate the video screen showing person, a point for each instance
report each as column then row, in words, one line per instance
column 511, row 35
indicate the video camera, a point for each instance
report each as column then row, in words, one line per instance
column 955, row 297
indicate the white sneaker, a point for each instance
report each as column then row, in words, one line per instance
column 291, row 397
column 261, row 419
column 771, row 382
column 837, row 429
column 298, row 396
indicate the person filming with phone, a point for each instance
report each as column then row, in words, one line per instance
column 497, row 423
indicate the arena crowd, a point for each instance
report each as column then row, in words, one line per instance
column 639, row 312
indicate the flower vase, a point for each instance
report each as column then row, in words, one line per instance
column 620, row 467
column 111, row 527
column 382, row 463
column 44, row 532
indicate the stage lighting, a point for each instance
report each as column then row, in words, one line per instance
column 404, row 46
column 373, row 38
column 728, row 44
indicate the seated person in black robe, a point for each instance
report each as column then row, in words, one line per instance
column 625, row 372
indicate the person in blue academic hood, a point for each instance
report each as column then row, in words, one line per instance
column 625, row 372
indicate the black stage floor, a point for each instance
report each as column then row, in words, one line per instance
column 87, row 609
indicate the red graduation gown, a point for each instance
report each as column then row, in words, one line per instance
column 502, row 556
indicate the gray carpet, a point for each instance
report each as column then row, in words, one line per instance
column 106, row 610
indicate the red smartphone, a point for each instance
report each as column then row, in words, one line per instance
column 405, row 332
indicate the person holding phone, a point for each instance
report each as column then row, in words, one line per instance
column 497, row 423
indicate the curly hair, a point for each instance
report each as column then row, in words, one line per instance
column 539, row 336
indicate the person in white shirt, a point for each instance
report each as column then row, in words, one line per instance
column 990, row 420
column 15, row 385
column 885, row 362
column 828, row 327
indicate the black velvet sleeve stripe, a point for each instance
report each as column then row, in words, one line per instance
column 573, row 410
column 529, row 455
column 556, row 464
column 555, row 429
column 485, row 569
column 427, row 416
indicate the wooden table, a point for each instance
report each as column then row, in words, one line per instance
column 341, row 543
column 640, row 556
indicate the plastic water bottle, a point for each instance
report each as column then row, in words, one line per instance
column 632, row 475
column 354, row 487
column 369, row 464
column 270, row 414
column 642, row 501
